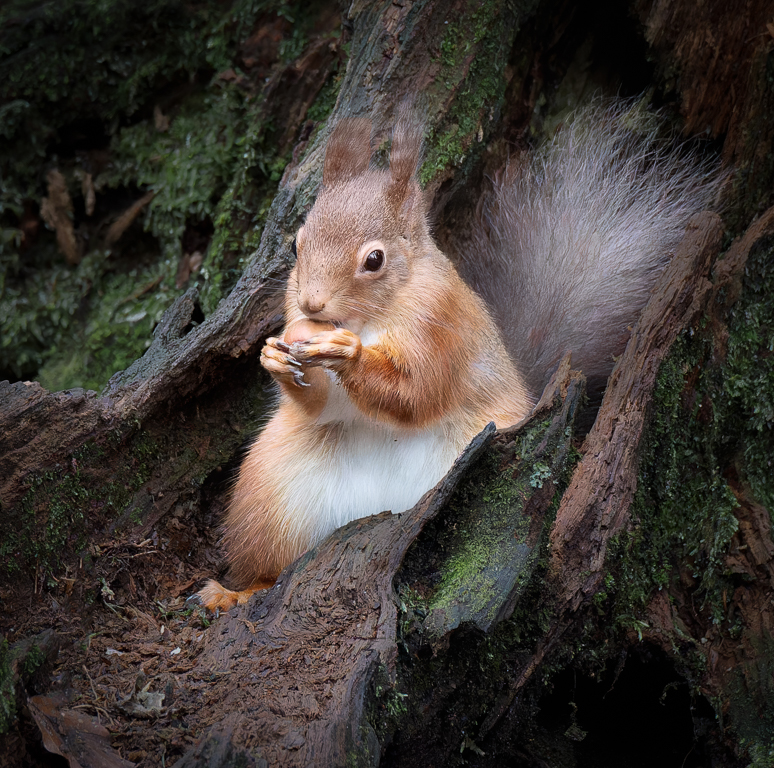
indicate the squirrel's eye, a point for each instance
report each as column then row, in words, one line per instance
column 374, row 261
column 293, row 247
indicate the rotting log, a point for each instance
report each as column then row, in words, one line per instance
column 307, row 652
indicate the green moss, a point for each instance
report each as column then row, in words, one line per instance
column 62, row 61
column 32, row 661
column 242, row 210
column 187, row 166
column 241, row 213
column 486, row 515
column 746, row 403
column 749, row 692
column 110, row 327
column 109, row 304
column 480, row 545
column 39, row 297
column 454, row 690
column 480, row 87
column 761, row 754
column 713, row 420
column 22, row 663
column 488, row 538
column 50, row 523
column 706, row 416
column 58, row 77
column 684, row 508
column 326, row 99
column 50, row 527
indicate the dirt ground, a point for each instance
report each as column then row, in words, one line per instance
column 125, row 630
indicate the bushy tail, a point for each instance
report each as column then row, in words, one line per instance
column 570, row 240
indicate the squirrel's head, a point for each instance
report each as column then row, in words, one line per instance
column 359, row 243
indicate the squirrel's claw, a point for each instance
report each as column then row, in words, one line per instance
column 275, row 358
column 298, row 378
column 327, row 349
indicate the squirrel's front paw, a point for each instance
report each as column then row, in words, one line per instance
column 281, row 364
column 330, row 349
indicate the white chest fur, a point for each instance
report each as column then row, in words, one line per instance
column 339, row 408
column 366, row 467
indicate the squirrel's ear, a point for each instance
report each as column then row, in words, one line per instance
column 405, row 152
column 403, row 190
column 348, row 151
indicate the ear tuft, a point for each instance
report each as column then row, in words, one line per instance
column 348, row 151
column 406, row 150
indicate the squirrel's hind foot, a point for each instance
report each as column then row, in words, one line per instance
column 215, row 597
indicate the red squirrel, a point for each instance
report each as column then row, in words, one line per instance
column 390, row 363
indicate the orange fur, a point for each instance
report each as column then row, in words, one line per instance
column 258, row 539
column 218, row 598
column 426, row 371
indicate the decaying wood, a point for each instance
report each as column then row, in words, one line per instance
column 80, row 739
column 729, row 666
column 306, row 652
column 710, row 44
column 720, row 53
column 596, row 505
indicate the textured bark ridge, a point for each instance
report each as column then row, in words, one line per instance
column 597, row 504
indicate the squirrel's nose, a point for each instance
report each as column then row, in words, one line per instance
column 312, row 305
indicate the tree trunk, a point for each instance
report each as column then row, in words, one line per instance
column 436, row 637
